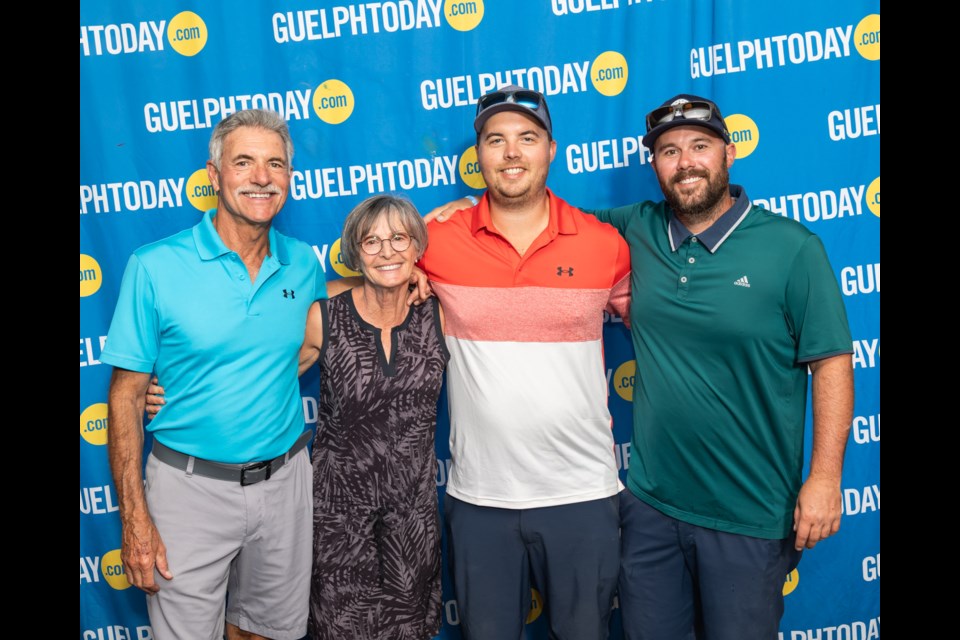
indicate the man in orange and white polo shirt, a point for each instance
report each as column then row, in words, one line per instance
column 524, row 279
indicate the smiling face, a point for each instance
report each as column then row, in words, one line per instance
column 387, row 268
column 692, row 165
column 253, row 178
column 515, row 153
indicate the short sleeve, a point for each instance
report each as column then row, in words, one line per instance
column 815, row 308
column 619, row 301
column 619, row 218
column 133, row 340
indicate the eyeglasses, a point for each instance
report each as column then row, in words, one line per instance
column 695, row 110
column 529, row 99
column 398, row 242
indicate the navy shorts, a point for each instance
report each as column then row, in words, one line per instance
column 679, row 581
column 570, row 553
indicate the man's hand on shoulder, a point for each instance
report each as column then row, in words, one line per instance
column 445, row 211
column 420, row 290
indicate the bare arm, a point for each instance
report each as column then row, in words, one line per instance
column 142, row 549
column 818, row 510
column 312, row 339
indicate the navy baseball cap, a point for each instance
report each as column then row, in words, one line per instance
column 513, row 98
column 684, row 110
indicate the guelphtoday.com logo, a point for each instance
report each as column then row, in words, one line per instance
column 186, row 33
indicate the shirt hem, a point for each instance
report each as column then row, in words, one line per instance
column 130, row 364
column 534, row 504
column 707, row 522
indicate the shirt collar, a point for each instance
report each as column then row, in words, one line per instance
column 562, row 220
column 720, row 230
column 210, row 245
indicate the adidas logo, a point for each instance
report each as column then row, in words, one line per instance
column 742, row 282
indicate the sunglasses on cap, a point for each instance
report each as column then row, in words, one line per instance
column 695, row 110
column 523, row 97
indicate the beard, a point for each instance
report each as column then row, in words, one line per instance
column 696, row 209
column 516, row 197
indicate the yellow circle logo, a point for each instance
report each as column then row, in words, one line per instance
column 866, row 37
column 112, row 568
column 609, row 73
column 536, row 606
column 463, row 16
column 873, row 203
column 91, row 276
column 333, row 101
column 93, row 424
column 744, row 133
column 790, row 584
column 187, row 33
column 470, row 169
column 336, row 261
column 624, row 378
column 200, row 192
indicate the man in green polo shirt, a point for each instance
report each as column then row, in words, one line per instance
column 731, row 306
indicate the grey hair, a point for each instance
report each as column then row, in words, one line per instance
column 257, row 118
column 398, row 210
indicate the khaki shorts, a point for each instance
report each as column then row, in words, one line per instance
column 253, row 541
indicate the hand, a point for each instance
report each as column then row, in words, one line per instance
column 444, row 211
column 142, row 551
column 420, row 290
column 817, row 514
column 154, row 398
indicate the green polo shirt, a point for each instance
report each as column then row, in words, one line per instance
column 723, row 325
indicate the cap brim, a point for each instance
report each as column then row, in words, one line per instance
column 489, row 112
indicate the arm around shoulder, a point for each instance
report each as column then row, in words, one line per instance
column 618, row 217
column 445, row 211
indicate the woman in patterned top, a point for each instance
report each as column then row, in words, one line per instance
column 376, row 571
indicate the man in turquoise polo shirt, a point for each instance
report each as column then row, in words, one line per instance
column 731, row 306
column 218, row 312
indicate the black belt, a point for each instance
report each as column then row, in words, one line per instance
column 245, row 474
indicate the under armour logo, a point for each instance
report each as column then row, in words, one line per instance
column 561, row 271
column 288, row 294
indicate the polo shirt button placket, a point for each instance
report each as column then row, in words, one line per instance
column 682, row 287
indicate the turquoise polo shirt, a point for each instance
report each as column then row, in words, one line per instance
column 225, row 349
column 723, row 324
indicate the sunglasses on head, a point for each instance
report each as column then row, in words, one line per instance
column 695, row 110
column 523, row 97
